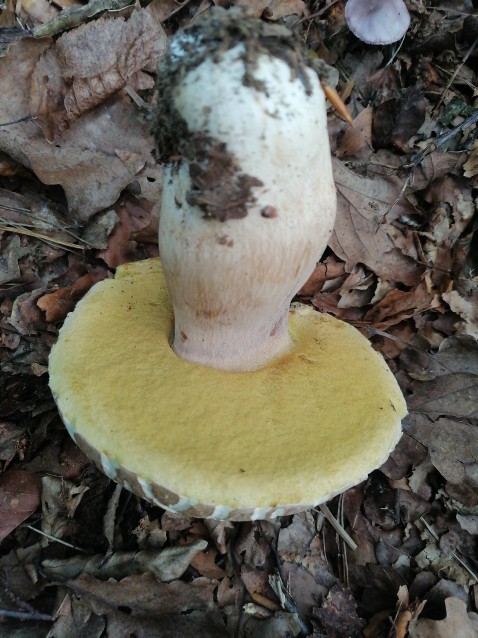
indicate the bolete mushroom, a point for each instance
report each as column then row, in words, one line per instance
column 257, row 410
column 377, row 21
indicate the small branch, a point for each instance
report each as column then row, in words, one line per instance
column 75, row 16
column 21, row 119
column 454, row 555
column 55, row 539
column 25, row 615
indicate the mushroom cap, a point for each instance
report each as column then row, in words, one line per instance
column 377, row 21
column 209, row 443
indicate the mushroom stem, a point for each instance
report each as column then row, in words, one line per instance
column 249, row 207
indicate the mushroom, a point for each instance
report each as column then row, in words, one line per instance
column 377, row 21
column 256, row 409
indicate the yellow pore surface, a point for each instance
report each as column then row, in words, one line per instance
column 297, row 431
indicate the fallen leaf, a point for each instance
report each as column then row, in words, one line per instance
column 136, row 225
column 74, row 619
column 87, row 65
column 10, row 434
column 280, row 624
column 471, row 165
column 59, row 303
column 276, row 9
column 457, row 623
column 452, row 445
column 205, row 564
column 9, row 268
column 399, row 305
column 26, row 317
column 60, row 498
column 86, row 161
column 357, row 139
column 144, row 595
column 339, row 616
column 464, row 302
column 362, row 236
column 19, row 498
column 170, row 563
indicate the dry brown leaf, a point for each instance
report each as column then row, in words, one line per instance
column 19, row 497
column 60, row 498
column 457, row 623
column 74, row 619
column 339, row 616
column 162, row 10
column 87, row 65
column 144, row 595
column 357, row 139
column 464, row 302
column 12, row 252
column 87, row 160
column 278, row 625
column 17, row 568
column 38, row 11
column 275, row 9
column 59, row 303
column 399, row 305
column 452, row 445
column 471, row 165
column 326, row 271
column 10, row 434
column 361, row 237
column 205, row 564
column 26, row 317
column 149, row 535
column 170, row 563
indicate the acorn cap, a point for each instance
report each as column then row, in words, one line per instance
column 377, row 21
column 209, row 443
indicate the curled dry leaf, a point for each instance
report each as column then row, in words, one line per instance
column 399, row 305
column 89, row 64
column 59, row 303
column 136, row 225
column 93, row 159
column 464, row 302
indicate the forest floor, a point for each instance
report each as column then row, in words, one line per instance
column 82, row 558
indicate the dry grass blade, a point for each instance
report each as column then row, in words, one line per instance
column 49, row 240
column 337, row 526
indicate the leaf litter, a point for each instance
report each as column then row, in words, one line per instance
column 79, row 192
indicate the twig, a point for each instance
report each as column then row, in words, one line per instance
column 419, row 157
column 452, row 554
column 21, row 119
column 338, row 527
column 55, row 539
column 382, row 333
column 442, row 140
column 312, row 16
column 25, row 615
column 455, row 73
column 70, row 18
